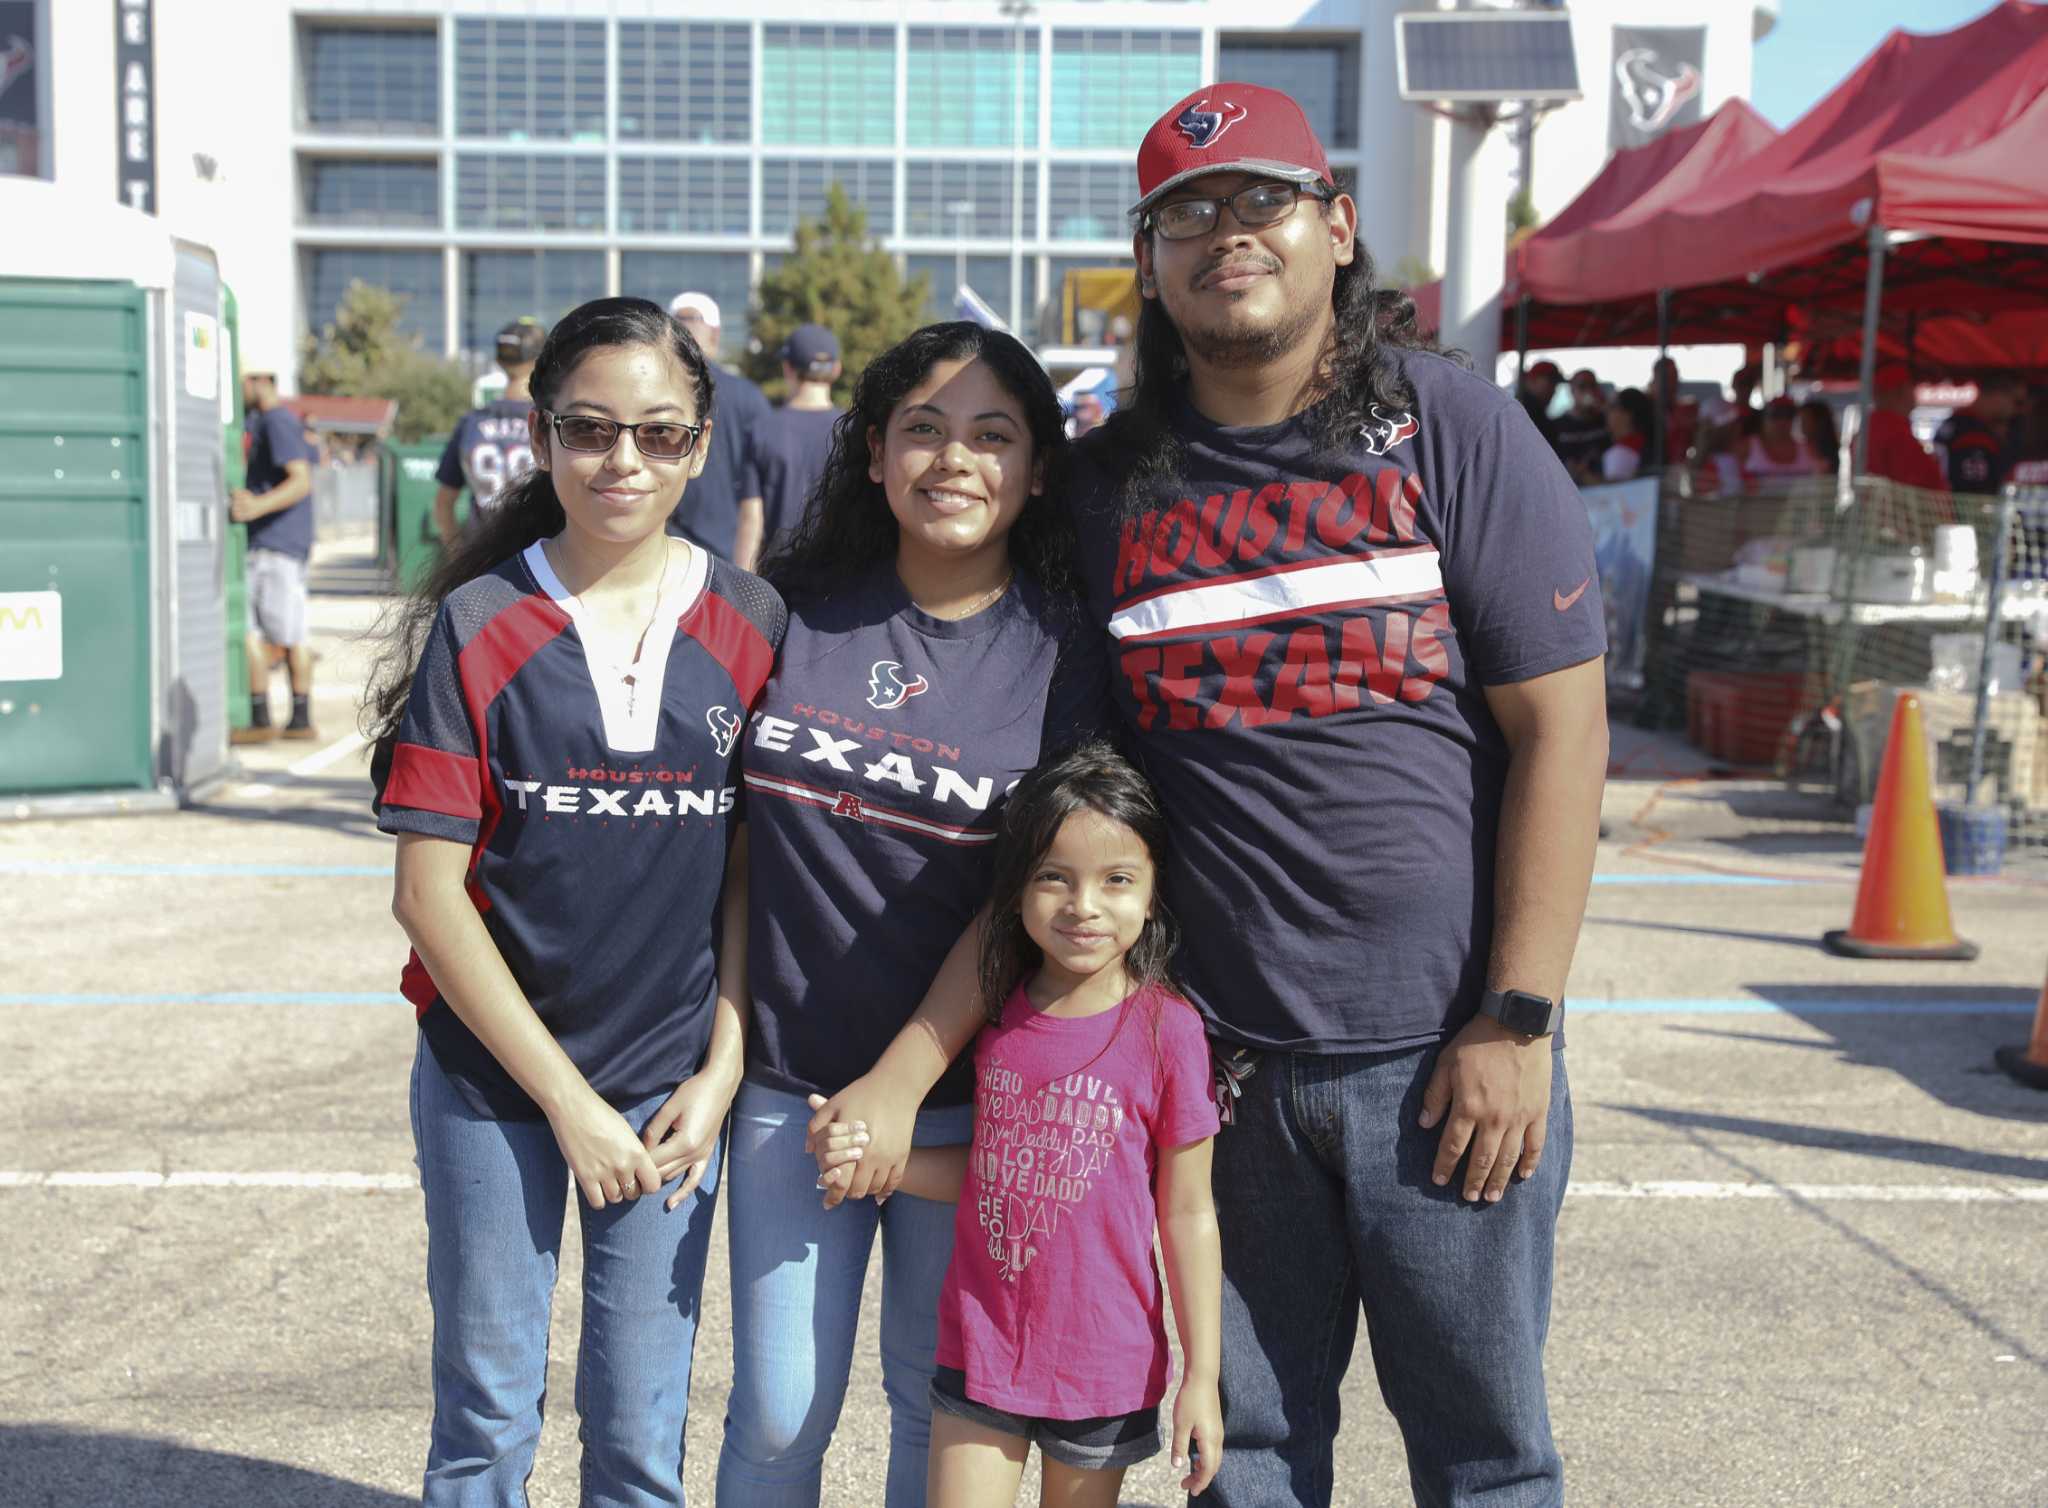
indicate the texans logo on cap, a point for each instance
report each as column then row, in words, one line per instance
column 1202, row 126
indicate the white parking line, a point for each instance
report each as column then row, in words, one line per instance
column 333, row 754
column 1816, row 1193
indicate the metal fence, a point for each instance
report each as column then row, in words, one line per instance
column 1781, row 622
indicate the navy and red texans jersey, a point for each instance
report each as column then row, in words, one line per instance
column 1302, row 638
column 597, row 837
column 877, row 764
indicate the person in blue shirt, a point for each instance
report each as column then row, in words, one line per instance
column 277, row 505
column 488, row 450
column 935, row 653
column 794, row 448
column 724, row 511
column 557, row 725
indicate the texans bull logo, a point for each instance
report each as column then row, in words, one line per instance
column 1387, row 430
column 1653, row 96
column 724, row 726
column 887, row 688
column 1201, row 126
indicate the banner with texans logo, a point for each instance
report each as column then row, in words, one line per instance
column 1625, row 545
column 1657, row 82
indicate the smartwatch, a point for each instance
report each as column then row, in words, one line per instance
column 1520, row 1011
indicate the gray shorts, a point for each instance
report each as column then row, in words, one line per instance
column 1107, row 1444
column 277, row 597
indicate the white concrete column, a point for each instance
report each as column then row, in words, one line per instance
column 1476, row 241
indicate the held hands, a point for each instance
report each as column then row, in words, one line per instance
column 889, row 1116
column 1496, row 1086
column 1197, row 1416
column 839, row 1146
column 684, row 1131
column 604, row 1156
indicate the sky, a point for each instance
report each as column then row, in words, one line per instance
column 1817, row 42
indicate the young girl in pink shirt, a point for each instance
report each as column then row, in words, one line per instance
column 1093, row 1123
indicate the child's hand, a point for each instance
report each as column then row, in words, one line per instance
column 1197, row 1416
column 839, row 1146
column 890, row 1114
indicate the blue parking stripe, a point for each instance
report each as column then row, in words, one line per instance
column 216, row 997
column 196, row 871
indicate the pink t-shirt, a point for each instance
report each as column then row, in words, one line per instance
column 1052, row 1306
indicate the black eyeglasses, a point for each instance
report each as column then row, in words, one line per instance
column 656, row 439
column 1256, row 205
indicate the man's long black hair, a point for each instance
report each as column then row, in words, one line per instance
column 1358, row 371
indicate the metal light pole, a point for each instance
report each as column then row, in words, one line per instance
column 961, row 210
column 1018, row 12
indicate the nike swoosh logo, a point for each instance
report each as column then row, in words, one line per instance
column 1563, row 603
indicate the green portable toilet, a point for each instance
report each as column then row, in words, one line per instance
column 234, row 473
column 114, row 380
column 419, row 542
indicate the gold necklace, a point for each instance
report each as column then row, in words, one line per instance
column 978, row 603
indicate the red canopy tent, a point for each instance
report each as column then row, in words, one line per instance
column 1924, row 174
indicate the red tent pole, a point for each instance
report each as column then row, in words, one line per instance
column 1873, row 303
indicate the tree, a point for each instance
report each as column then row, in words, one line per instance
column 362, row 354
column 838, row 277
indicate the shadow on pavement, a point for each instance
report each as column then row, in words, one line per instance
column 1931, row 1154
column 1783, row 939
column 52, row 1466
column 337, row 803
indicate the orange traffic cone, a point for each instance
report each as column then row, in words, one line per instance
column 2029, row 1064
column 1902, row 898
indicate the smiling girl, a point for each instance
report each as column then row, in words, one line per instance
column 930, row 660
column 557, row 723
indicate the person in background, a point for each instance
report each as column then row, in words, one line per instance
column 1776, row 453
column 1629, row 419
column 1973, row 442
column 489, row 449
column 1681, row 415
column 1737, row 415
column 277, row 505
column 1538, row 387
column 793, row 449
column 723, row 510
column 1087, row 415
column 1579, row 434
column 2029, row 447
column 1893, row 451
column 1816, row 427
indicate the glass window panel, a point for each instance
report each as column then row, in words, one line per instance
column 828, row 86
column 1090, row 201
column 370, row 191
column 685, row 82
column 932, row 188
column 988, row 276
column 522, row 80
column 499, row 286
column 684, row 195
column 793, row 189
column 1322, row 76
column 372, row 81
column 414, row 275
column 961, row 87
column 1109, row 86
column 513, row 191
column 661, row 275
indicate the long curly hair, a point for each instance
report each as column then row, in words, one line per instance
column 528, row 509
column 1357, row 371
column 847, row 529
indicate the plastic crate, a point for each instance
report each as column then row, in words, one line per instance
column 1743, row 717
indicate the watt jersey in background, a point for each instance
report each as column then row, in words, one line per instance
column 490, row 449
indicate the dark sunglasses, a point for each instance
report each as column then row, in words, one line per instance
column 1254, row 206
column 656, row 439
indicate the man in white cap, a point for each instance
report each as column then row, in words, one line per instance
column 722, row 509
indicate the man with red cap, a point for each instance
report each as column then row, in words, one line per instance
column 1353, row 609
column 1894, row 451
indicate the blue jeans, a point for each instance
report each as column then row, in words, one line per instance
column 797, row 1271
column 1325, row 1205
column 495, row 1191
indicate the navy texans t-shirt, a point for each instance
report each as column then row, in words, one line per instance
column 277, row 437
column 491, row 448
column 1300, row 644
column 597, row 820
column 877, row 762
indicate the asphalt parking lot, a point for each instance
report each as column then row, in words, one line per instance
column 1801, row 1261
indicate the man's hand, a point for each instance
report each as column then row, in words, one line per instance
column 890, row 1116
column 242, row 505
column 1495, row 1085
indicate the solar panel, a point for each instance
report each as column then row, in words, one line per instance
column 1485, row 55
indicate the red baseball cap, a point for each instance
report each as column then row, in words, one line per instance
column 1229, row 128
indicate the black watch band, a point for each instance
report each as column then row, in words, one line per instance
column 1521, row 1011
